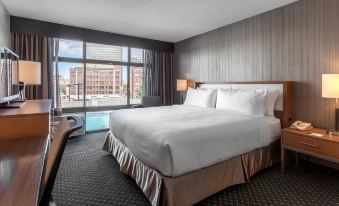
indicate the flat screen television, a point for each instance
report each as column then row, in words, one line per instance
column 9, row 75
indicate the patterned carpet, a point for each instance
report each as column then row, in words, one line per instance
column 90, row 176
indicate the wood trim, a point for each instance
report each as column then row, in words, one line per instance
column 287, row 115
column 288, row 107
column 191, row 84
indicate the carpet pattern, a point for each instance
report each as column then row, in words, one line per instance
column 90, row 176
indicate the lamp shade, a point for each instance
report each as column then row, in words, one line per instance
column 181, row 85
column 30, row 72
column 330, row 85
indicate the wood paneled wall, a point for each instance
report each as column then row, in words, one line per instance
column 297, row 42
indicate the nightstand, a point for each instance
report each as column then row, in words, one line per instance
column 325, row 147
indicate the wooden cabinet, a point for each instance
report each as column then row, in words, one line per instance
column 24, row 144
column 325, row 147
column 33, row 119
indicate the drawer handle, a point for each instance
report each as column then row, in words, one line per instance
column 308, row 144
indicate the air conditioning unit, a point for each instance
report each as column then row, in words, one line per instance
column 56, row 120
column 81, row 131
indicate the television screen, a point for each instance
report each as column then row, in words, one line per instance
column 9, row 75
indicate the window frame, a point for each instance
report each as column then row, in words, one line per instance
column 86, row 61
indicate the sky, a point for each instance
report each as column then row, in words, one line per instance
column 73, row 49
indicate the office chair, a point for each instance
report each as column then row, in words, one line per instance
column 149, row 101
column 55, row 152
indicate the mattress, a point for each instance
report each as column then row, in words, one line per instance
column 179, row 139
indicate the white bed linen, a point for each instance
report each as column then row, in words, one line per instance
column 179, row 139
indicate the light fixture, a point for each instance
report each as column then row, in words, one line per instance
column 29, row 74
column 182, row 86
column 330, row 89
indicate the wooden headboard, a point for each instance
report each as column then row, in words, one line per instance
column 285, row 114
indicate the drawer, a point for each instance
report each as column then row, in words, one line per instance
column 24, row 126
column 330, row 149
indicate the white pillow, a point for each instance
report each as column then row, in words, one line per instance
column 250, row 102
column 201, row 97
column 271, row 98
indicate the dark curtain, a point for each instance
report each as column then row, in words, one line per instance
column 40, row 49
column 158, row 75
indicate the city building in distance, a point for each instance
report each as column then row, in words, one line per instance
column 106, row 84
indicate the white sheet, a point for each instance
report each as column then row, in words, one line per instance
column 179, row 139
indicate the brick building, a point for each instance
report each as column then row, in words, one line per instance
column 105, row 80
column 136, row 82
column 100, row 80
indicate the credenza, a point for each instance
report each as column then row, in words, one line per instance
column 33, row 119
column 24, row 145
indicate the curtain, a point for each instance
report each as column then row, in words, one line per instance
column 40, row 49
column 57, row 98
column 158, row 75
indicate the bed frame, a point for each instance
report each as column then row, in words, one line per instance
column 195, row 186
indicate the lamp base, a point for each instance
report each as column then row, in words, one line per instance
column 21, row 92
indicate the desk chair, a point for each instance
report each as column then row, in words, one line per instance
column 149, row 101
column 55, row 152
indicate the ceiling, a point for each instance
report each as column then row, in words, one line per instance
column 166, row 20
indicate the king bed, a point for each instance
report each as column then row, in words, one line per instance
column 181, row 154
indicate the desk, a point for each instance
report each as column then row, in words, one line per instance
column 21, row 169
column 24, row 143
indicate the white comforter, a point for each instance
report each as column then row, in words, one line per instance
column 179, row 139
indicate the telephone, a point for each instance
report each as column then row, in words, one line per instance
column 301, row 125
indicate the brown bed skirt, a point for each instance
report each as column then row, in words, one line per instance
column 192, row 187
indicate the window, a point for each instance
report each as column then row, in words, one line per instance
column 137, row 55
column 70, row 84
column 113, row 92
column 96, row 120
column 70, row 48
column 106, row 52
column 103, row 78
column 136, row 84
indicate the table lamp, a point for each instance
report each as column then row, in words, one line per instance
column 182, row 85
column 29, row 74
column 330, row 89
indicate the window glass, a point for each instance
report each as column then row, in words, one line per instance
column 106, row 85
column 136, row 84
column 137, row 55
column 70, row 84
column 97, row 120
column 70, row 48
column 106, row 52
